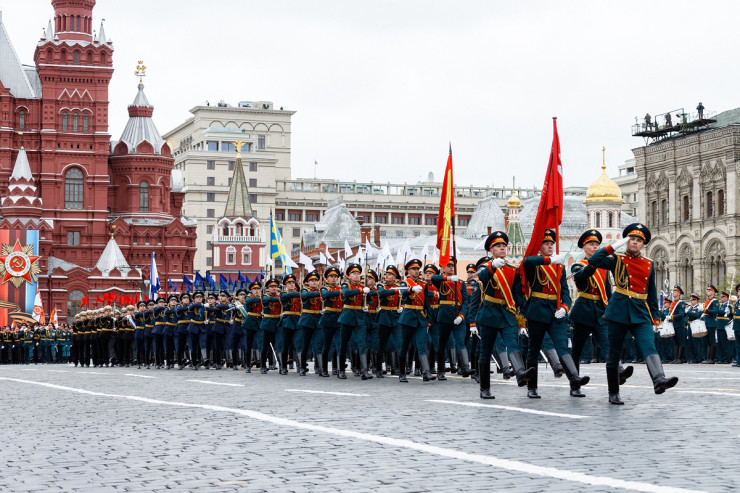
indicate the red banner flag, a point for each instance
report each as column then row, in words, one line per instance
column 83, row 301
column 446, row 215
column 550, row 209
column 101, row 300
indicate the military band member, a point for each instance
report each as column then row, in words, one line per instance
column 453, row 307
column 696, row 345
column 170, row 328
column 128, row 336
column 308, row 323
column 270, row 319
column 723, row 318
column 352, row 319
column 736, row 326
column 414, row 321
column 547, row 309
column 633, row 306
column 710, row 311
column 677, row 316
column 290, row 299
column 237, row 328
column 331, row 294
column 253, row 303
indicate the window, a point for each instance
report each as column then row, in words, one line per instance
column 397, row 219
column 686, row 212
column 231, row 255
column 144, row 196
column 253, row 182
column 278, row 263
column 252, row 166
column 414, row 221
column 296, row 232
column 231, row 165
column 239, row 230
column 212, row 146
column 664, row 212
column 400, row 234
column 210, row 197
column 260, row 142
column 209, row 261
column 136, row 240
column 75, row 121
column 65, row 120
column 610, row 219
column 73, row 303
column 85, row 123
column 73, row 238
column 210, row 164
column 159, row 240
column 76, row 57
column 654, row 213
column 312, row 217
column 381, row 219
column 210, row 212
column 211, row 181
column 720, row 202
column 209, row 244
column 430, row 221
column 280, row 230
column 22, row 120
column 73, row 189
column 146, row 240
column 228, row 147
column 463, row 221
column 279, row 216
column 225, row 231
column 230, row 180
column 709, row 210
column 209, row 229
column 383, row 233
column 597, row 219
column 294, row 216
column 246, row 255
column 252, row 198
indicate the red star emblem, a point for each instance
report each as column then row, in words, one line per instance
column 19, row 265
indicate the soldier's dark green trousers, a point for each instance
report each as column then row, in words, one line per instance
column 644, row 338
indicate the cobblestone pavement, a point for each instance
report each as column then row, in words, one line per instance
column 123, row 429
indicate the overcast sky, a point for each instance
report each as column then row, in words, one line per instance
column 380, row 87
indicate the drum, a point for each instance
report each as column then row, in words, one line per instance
column 698, row 328
column 666, row 329
column 729, row 328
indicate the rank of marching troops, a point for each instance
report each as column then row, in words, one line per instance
column 429, row 321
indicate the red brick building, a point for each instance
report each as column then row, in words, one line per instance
column 74, row 184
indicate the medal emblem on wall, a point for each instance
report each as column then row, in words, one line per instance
column 18, row 264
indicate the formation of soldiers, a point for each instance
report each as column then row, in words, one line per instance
column 428, row 321
column 25, row 344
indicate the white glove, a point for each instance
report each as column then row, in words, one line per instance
column 619, row 243
column 560, row 313
column 400, row 309
column 497, row 263
column 523, row 332
column 457, row 320
column 365, row 308
column 323, row 311
column 727, row 311
column 365, row 290
column 417, row 289
column 667, row 319
column 453, row 278
column 473, row 331
column 557, row 259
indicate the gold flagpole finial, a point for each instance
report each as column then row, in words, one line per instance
column 603, row 157
column 239, row 144
column 140, row 72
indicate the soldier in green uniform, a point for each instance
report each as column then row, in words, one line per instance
column 632, row 308
column 736, row 326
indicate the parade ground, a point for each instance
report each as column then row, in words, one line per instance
column 123, row 429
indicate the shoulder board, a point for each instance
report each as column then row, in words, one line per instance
column 403, row 284
column 345, row 285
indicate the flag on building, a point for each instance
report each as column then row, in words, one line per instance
column 277, row 248
column 38, row 308
column 446, row 215
column 153, row 279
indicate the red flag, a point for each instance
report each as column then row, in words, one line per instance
column 446, row 215
column 101, row 300
column 550, row 209
column 83, row 301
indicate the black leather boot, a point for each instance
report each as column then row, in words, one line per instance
column 612, row 380
column 355, row 359
column 363, row 367
column 681, row 350
column 453, row 361
column 532, row 385
column 426, row 374
column 552, row 358
column 465, row 362
column 402, row 366
column 394, row 363
column 575, row 380
column 597, row 354
column 323, row 366
column 485, row 380
column 522, row 375
column 505, row 366
column 655, row 369
column 499, row 362
column 625, row 373
column 340, row 374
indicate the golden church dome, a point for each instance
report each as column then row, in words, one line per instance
column 604, row 189
column 514, row 200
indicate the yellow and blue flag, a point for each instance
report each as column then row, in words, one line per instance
column 277, row 248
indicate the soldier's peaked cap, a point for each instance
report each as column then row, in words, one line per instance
column 588, row 236
column 414, row 263
column 639, row 230
column 495, row 238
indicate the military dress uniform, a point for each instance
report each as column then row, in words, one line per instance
column 736, row 326
column 710, row 311
column 723, row 318
column 197, row 312
column 548, row 295
column 390, row 295
column 633, row 308
column 139, row 332
column 183, row 320
column 270, row 319
column 170, row 315
column 372, row 309
column 451, row 315
column 291, row 314
column 160, row 322
column 237, row 329
column 332, row 298
column 252, row 323
column 696, row 346
column 222, row 323
column 414, row 322
column 677, row 316
column 353, row 320
column 308, row 323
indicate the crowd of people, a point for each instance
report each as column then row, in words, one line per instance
column 428, row 322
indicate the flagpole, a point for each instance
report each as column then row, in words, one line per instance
column 454, row 245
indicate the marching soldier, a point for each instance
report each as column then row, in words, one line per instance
column 220, row 328
column 697, row 345
column 632, row 308
column 371, row 309
column 237, row 328
column 253, row 303
column 390, row 311
column 291, row 314
column 677, row 316
column 736, row 326
column 139, row 333
column 270, row 319
column 546, row 311
column 723, row 318
column 158, row 331
column 414, row 321
column 453, row 307
column 352, row 319
column 148, row 333
column 710, row 312
column 308, row 323
column 197, row 317
column 206, row 338
column 170, row 315
column 331, row 294
column 183, row 321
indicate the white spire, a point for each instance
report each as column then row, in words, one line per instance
column 22, row 169
column 49, row 33
column 101, row 33
column 112, row 258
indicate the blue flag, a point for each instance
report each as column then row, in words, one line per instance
column 187, row 283
column 199, row 280
column 154, row 285
column 247, row 281
column 170, row 285
column 277, row 248
column 232, row 285
column 211, row 283
column 223, row 282
column 240, row 278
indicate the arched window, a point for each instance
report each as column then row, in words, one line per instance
column 103, row 58
column 239, row 230
column 21, row 120
column 76, row 57
column 231, row 256
column 610, row 219
column 79, row 26
column 143, row 197
column 686, row 212
column 85, row 122
column 246, row 255
column 73, row 189
column 664, row 211
column 715, row 258
column 708, row 206
column 225, row 231
column 71, row 23
column 74, row 299
column 654, row 215
column 65, row 121
column 720, row 202
column 597, row 219
column 75, row 121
